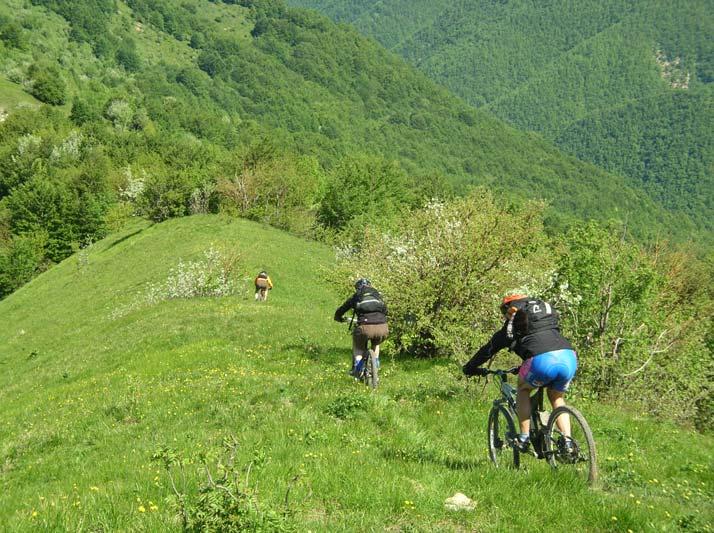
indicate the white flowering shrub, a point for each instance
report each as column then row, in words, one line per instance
column 214, row 275
column 28, row 143
column 210, row 276
column 445, row 267
column 133, row 185
column 69, row 150
column 120, row 113
column 200, row 200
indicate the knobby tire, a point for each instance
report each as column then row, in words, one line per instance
column 500, row 433
column 371, row 371
column 586, row 460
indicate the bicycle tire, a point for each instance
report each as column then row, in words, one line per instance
column 500, row 433
column 583, row 458
column 371, row 373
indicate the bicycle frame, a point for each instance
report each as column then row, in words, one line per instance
column 367, row 369
column 507, row 391
column 538, row 416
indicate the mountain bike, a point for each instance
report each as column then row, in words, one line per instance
column 261, row 293
column 369, row 374
column 575, row 452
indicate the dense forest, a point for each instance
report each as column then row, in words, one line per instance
column 159, row 109
column 625, row 85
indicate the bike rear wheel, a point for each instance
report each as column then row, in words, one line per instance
column 579, row 454
column 501, row 434
column 371, row 370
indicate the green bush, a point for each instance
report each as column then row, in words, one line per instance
column 84, row 111
column 224, row 501
column 443, row 268
column 69, row 215
column 128, row 57
column 364, row 188
column 47, row 84
column 277, row 188
column 21, row 260
column 11, row 34
column 347, row 406
column 43, row 204
column 637, row 320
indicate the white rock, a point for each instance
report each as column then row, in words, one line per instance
column 459, row 502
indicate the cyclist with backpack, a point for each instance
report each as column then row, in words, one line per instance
column 371, row 312
column 531, row 330
column 263, row 284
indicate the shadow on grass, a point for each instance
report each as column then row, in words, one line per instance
column 317, row 352
column 124, row 238
column 409, row 364
column 424, row 455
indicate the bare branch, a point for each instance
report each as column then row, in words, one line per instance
column 654, row 351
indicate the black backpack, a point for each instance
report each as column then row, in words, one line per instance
column 369, row 301
column 532, row 316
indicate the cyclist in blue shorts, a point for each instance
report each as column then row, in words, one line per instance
column 531, row 330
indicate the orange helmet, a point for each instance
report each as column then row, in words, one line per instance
column 510, row 298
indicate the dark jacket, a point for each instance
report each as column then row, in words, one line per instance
column 547, row 338
column 378, row 317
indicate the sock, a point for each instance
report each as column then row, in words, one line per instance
column 523, row 437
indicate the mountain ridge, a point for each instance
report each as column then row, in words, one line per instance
column 549, row 70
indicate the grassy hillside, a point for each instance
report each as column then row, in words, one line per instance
column 605, row 73
column 143, row 75
column 13, row 96
column 96, row 380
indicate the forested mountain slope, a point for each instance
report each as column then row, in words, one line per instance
column 227, row 74
column 590, row 76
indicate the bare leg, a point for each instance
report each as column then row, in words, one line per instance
column 563, row 421
column 375, row 350
column 523, row 406
column 359, row 348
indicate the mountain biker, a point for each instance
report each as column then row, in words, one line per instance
column 371, row 326
column 531, row 330
column 263, row 284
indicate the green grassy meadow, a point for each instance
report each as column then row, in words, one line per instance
column 93, row 382
column 12, row 96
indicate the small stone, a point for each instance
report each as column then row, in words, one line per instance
column 459, row 502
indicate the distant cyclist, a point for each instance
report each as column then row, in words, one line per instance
column 531, row 330
column 371, row 312
column 263, row 284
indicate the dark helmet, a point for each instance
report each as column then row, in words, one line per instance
column 362, row 283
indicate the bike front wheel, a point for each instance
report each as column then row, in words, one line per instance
column 501, row 435
column 576, row 452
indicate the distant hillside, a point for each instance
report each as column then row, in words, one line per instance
column 625, row 85
column 227, row 74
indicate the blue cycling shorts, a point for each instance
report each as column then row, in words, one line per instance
column 554, row 370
